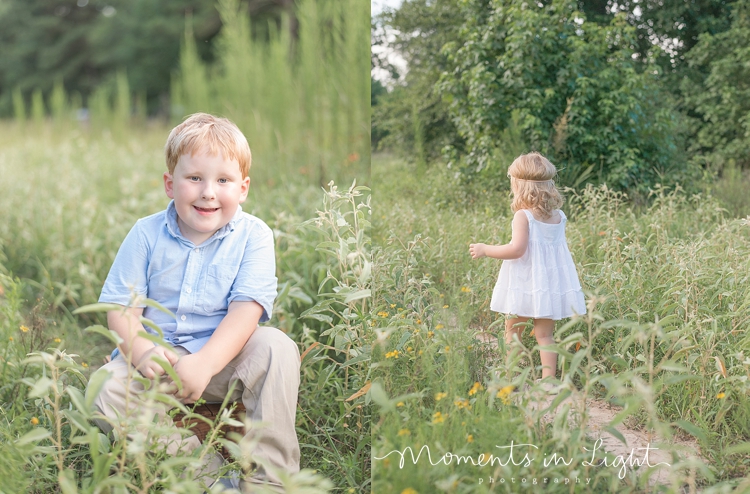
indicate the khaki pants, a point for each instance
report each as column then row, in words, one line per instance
column 267, row 372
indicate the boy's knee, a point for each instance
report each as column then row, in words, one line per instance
column 274, row 340
column 270, row 347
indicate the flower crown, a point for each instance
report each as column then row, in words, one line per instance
column 527, row 180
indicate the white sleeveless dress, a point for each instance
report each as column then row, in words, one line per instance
column 543, row 283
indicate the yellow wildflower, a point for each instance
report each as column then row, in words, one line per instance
column 24, row 329
column 446, row 306
column 438, row 418
column 469, row 438
column 34, row 421
column 383, row 314
column 393, row 354
column 440, row 396
column 400, row 404
column 720, row 395
column 409, row 490
column 439, row 326
column 466, row 289
column 430, row 334
column 462, row 403
column 84, row 364
column 393, row 306
column 504, row 394
column 470, row 347
column 419, row 321
column 57, row 340
column 404, row 432
column 409, row 349
column 447, row 349
column 10, row 338
column 476, row 387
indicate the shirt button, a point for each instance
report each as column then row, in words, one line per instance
column 183, row 317
column 189, row 290
column 195, row 250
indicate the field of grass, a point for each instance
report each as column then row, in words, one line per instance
column 72, row 195
column 665, row 339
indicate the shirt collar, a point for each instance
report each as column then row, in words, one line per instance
column 174, row 229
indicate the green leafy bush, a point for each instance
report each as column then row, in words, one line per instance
column 573, row 88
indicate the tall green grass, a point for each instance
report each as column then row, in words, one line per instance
column 304, row 102
column 669, row 295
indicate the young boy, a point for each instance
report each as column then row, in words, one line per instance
column 213, row 266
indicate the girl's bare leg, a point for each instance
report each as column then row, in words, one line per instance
column 543, row 331
column 511, row 328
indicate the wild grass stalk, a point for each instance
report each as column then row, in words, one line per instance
column 304, row 101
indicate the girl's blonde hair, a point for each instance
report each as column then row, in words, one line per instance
column 531, row 182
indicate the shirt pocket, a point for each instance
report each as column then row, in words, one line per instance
column 218, row 284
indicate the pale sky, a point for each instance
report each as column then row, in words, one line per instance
column 376, row 6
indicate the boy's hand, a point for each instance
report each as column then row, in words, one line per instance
column 149, row 368
column 194, row 377
column 477, row 250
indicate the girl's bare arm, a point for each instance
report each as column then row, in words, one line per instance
column 513, row 250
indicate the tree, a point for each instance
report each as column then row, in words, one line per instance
column 420, row 29
column 720, row 100
column 83, row 44
column 572, row 86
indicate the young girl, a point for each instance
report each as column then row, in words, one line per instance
column 538, row 279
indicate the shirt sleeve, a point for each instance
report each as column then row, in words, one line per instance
column 256, row 279
column 127, row 276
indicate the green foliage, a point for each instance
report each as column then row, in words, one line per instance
column 43, row 42
column 666, row 29
column 421, row 29
column 304, row 103
column 719, row 100
column 19, row 107
column 84, row 46
column 341, row 351
column 662, row 339
column 37, row 107
column 574, row 85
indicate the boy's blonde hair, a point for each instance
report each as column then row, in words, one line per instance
column 201, row 132
column 531, row 182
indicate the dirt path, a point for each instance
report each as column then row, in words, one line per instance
column 599, row 415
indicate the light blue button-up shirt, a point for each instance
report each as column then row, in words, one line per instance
column 197, row 283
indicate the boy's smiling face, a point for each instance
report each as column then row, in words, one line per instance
column 206, row 190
